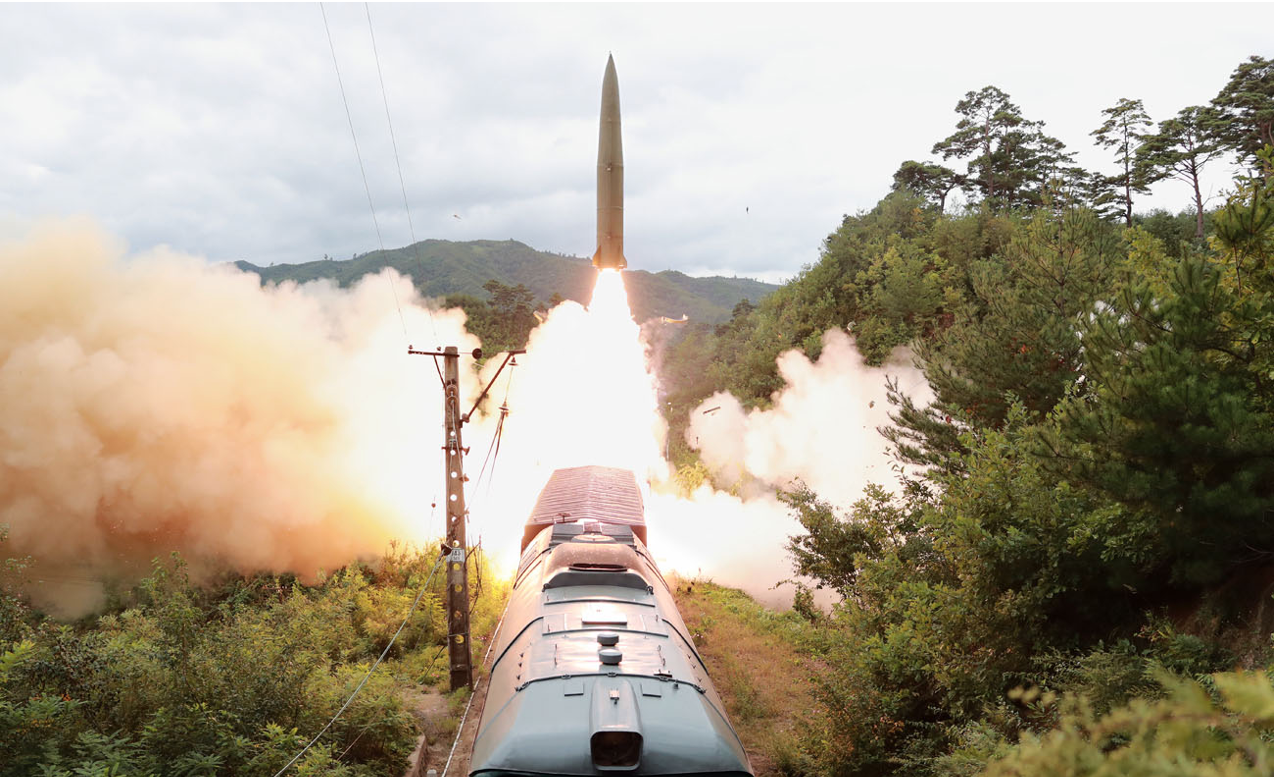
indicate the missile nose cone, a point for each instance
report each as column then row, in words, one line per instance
column 611, row 176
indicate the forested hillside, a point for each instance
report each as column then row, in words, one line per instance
column 1092, row 542
column 463, row 272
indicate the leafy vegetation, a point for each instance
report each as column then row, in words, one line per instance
column 1189, row 732
column 1095, row 520
column 231, row 678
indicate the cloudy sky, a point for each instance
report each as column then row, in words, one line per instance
column 219, row 130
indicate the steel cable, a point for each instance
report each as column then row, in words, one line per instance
column 425, row 586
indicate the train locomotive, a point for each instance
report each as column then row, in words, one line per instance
column 594, row 671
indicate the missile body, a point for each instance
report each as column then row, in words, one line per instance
column 611, row 178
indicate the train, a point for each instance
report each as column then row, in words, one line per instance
column 593, row 670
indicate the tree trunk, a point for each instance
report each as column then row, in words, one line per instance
column 1129, row 203
column 1200, row 207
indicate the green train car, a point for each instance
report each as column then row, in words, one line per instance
column 594, row 672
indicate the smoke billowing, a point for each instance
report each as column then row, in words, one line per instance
column 155, row 403
column 821, row 429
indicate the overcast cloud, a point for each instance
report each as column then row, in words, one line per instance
column 219, row 129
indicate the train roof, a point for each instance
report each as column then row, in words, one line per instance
column 585, row 494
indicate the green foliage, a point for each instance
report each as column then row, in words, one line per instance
column 1022, row 565
column 1179, row 149
column 1189, row 732
column 232, row 678
column 1244, row 107
column 832, row 548
column 880, row 276
column 1174, row 417
column 928, row 180
column 1010, row 158
column 1099, row 453
column 1121, row 130
column 1176, row 232
column 685, row 380
column 1017, row 331
column 503, row 321
column 11, row 598
column 448, row 268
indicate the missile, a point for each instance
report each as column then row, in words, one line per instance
column 611, row 177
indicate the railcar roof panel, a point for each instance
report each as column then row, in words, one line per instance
column 591, row 492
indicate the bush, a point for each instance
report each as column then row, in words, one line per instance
column 1189, row 732
column 232, row 679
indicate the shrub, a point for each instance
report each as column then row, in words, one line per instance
column 1189, row 732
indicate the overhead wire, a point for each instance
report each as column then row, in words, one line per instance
column 424, row 586
column 362, row 172
column 394, row 144
column 403, row 322
column 494, row 447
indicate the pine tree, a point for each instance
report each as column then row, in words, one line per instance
column 1123, row 129
column 1245, row 107
column 1017, row 337
column 1180, row 149
column 1173, row 419
column 1010, row 157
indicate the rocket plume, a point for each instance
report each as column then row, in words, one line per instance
column 582, row 395
column 586, row 395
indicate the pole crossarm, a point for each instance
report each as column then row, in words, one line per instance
column 458, row 601
column 508, row 357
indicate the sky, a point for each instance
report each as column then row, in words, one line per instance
column 749, row 130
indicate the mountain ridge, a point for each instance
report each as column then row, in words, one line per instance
column 440, row 268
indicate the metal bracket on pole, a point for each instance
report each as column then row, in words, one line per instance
column 458, row 588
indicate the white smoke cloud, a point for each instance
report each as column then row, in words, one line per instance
column 821, row 429
column 157, row 403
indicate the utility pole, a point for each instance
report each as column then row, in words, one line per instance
column 455, row 546
column 458, row 587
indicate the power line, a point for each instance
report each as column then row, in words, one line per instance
column 494, row 447
column 368, row 676
column 402, row 187
column 359, row 156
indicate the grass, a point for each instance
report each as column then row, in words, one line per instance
column 764, row 664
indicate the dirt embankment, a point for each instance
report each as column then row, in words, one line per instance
column 439, row 716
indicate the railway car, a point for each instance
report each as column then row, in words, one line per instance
column 594, row 671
